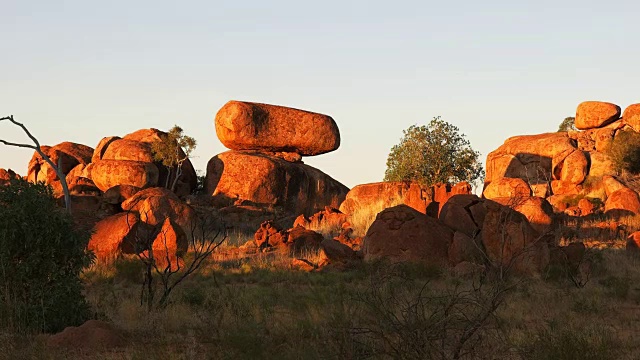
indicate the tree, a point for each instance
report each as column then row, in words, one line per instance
column 173, row 150
column 433, row 153
column 36, row 147
column 568, row 124
column 42, row 254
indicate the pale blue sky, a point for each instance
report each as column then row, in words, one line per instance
column 81, row 70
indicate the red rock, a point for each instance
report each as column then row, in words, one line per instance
column 457, row 214
column 604, row 139
column 631, row 116
column 533, row 158
column 574, row 168
column 93, row 335
column 330, row 218
column 109, row 173
column 558, row 202
column 109, row 235
column 560, row 187
column 537, row 211
column 596, row 114
column 169, row 246
column 601, row 165
column 303, row 265
column 463, row 248
column 633, row 243
column 125, row 149
column 253, row 126
column 102, row 147
column 586, row 207
column 623, row 201
column 269, row 235
column 6, row 176
column 401, row 233
column 65, row 155
column 301, row 240
column 118, row 194
column 387, row 194
column 156, row 209
column 507, row 188
column 334, row 251
column 510, row 241
column 271, row 182
column 611, row 185
column 134, row 202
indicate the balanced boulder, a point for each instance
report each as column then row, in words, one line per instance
column 253, row 126
column 596, row 114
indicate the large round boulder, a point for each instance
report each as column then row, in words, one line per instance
column 631, row 116
column 596, row 114
column 401, row 233
column 109, row 173
column 125, row 149
column 268, row 181
column 507, row 188
column 253, row 126
column 623, row 201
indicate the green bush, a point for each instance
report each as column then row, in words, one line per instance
column 41, row 257
column 625, row 151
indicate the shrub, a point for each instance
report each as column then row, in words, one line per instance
column 41, row 257
column 434, row 153
column 625, row 151
column 567, row 343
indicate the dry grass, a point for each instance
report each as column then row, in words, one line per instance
column 363, row 217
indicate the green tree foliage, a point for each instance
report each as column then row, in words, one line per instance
column 42, row 255
column 173, row 150
column 568, row 124
column 434, row 153
column 625, row 151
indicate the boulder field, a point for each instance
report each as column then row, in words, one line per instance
column 565, row 167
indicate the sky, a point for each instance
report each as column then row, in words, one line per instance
column 83, row 70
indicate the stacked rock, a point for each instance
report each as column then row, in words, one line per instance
column 264, row 166
column 556, row 166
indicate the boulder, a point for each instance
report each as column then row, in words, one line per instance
column 93, row 335
column 604, row 139
column 118, row 194
column 574, row 168
column 334, row 251
column 271, row 182
column 558, row 202
column 104, row 143
column 66, row 156
column 537, row 211
column 461, row 215
column 269, row 235
column 113, row 233
column 560, row 187
column 134, row 202
column 534, row 158
column 586, row 207
column 596, row 114
column 386, row 194
column 507, row 188
column 169, row 246
column 253, row 126
column 463, row 248
column 510, row 241
column 631, row 116
column 125, row 149
column 623, row 201
column 611, row 185
column 155, row 210
column 301, row 241
column 109, row 173
column 505, row 235
column 401, row 233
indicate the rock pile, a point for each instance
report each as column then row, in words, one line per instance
column 565, row 167
column 264, row 166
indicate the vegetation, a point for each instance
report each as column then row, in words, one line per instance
column 42, row 255
column 173, row 150
column 434, row 153
column 568, row 124
column 625, row 152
